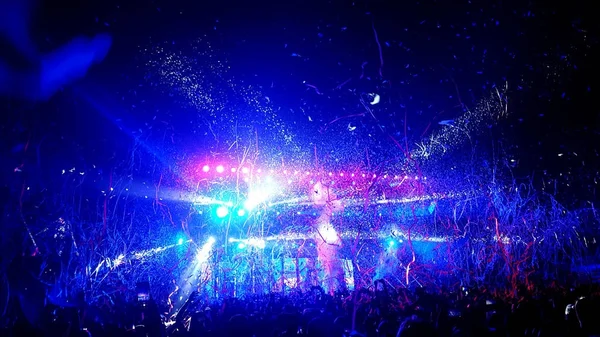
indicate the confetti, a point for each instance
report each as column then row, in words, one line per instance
column 228, row 161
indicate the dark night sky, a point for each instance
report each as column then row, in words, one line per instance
column 544, row 51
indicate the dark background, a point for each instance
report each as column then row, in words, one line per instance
column 435, row 53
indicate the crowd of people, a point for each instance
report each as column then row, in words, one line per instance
column 377, row 312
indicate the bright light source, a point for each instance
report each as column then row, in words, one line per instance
column 180, row 241
column 220, row 169
column 245, row 170
column 241, row 212
column 233, row 169
column 328, row 233
column 255, row 198
column 231, row 239
column 241, row 245
column 258, row 243
column 222, row 212
column 211, row 240
column 206, row 168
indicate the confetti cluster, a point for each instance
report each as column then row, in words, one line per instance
column 231, row 112
column 353, row 111
column 457, row 132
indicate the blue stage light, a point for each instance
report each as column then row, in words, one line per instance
column 241, row 212
column 180, row 241
column 241, row 245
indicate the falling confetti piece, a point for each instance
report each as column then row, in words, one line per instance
column 375, row 98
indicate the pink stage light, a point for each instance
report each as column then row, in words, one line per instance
column 206, row 168
column 220, row 169
column 233, row 169
column 245, row 170
column 342, row 174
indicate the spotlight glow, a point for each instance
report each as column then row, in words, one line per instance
column 255, row 198
column 206, row 168
column 258, row 243
column 204, row 253
column 220, row 169
column 241, row 212
column 222, row 212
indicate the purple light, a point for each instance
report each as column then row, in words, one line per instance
column 245, row 170
column 206, row 168
column 220, row 169
column 233, row 169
